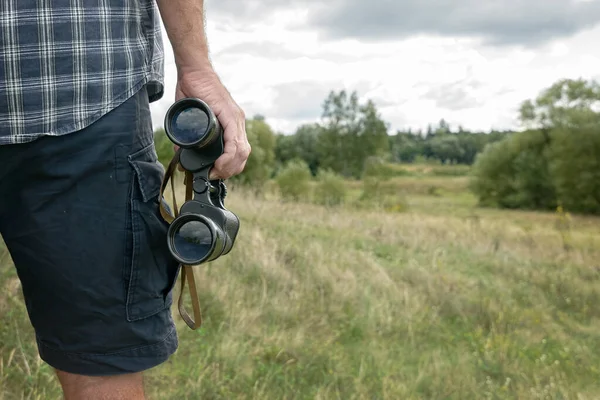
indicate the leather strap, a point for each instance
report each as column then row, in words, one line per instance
column 187, row 271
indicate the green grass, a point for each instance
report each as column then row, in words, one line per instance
column 443, row 300
column 431, row 169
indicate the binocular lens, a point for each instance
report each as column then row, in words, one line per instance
column 193, row 241
column 189, row 126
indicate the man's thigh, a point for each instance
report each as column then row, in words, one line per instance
column 80, row 216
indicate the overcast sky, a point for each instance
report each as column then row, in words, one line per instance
column 470, row 62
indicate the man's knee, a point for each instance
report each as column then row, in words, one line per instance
column 118, row 387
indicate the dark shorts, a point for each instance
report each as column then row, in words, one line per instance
column 80, row 216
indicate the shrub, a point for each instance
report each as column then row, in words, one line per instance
column 541, row 170
column 330, row 189
column 514, row 173
column 377, row 167
column 575, row 168
column 261, row 162
column 378, row 194
column 293, row 180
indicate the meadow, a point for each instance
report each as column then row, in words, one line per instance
column 423, row 296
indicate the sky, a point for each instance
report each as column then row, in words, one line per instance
column 470, row 62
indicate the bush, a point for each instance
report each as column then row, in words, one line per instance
column 261, row 162
column 537, row 170
column 330, row 189
column 293, row 180
column 256, row 172
column 575, row 168
column 492, row 174
column 557, row 165
column 376, row 167
column 378, row 194
column 514, row 173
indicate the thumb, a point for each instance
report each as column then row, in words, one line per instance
column 212, row 174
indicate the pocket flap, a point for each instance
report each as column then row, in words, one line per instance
column 149, row 172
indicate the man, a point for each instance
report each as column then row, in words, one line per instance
column 79, row 178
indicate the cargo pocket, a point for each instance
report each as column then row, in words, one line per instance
column 152, row 271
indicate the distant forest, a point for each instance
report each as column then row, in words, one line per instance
column 352, row 132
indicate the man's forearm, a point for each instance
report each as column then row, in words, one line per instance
column 184, row 22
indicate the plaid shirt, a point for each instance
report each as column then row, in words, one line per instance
column 65, row 63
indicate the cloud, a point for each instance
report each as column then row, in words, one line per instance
column 455, row 96
column 495, row 22
column 303, row 100
column 274, row 61
column 298, row 100
column 283, row 50
column 270, row 50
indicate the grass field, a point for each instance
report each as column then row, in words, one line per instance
column 443, row 300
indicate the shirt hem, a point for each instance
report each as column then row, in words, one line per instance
column 68, row 129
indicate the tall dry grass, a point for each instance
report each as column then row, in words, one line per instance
column 340, row 303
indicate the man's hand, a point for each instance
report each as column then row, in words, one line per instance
column 206, row 86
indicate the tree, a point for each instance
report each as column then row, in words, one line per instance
column 350, row 134
column 447, row 148
column 575, row 168
column 337, row 140
column 405, row 147
column 556, row 161
column 443, row 128
column 568, row 113
column 261, row 162
column 566, row 104
column 301, row 145
column 372, row 134
column 513, row 173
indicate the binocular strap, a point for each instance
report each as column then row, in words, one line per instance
column 195, row 323
column 187, row 271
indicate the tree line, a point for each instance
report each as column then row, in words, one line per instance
column 350, row 133
column 554, row 160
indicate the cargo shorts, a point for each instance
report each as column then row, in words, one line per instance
column 80, row 217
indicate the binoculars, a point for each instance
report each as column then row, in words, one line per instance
column 204, row 229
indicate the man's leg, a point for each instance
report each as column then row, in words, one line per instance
column 120, row 387
column 80, row 217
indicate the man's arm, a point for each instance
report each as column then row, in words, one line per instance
column 184, row 23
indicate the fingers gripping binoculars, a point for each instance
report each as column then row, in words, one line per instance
column 203, row 229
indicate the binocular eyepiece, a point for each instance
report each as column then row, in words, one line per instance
column 204, row 229
column 190, row 123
